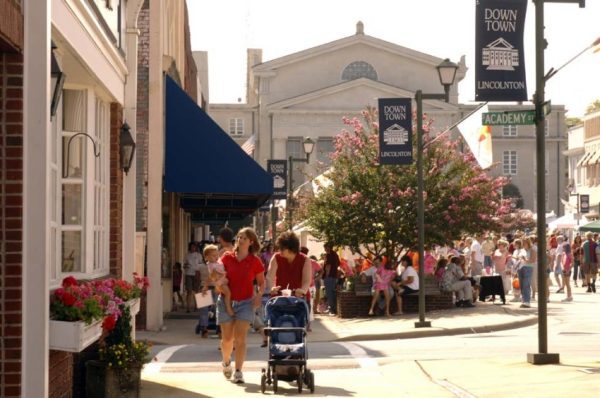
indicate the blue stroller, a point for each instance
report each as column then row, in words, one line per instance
column 286, row 321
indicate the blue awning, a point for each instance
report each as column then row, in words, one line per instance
column 213, row 175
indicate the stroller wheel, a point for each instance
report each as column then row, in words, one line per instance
column 299, row 381
column 311, row 382
column 263, row 383
column 275, row 382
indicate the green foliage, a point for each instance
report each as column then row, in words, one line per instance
column 573, row 121
column 118, row 349
column 372, row 208
column 593, row 107
column 511, row 191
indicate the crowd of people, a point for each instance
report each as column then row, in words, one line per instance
column 241, row 276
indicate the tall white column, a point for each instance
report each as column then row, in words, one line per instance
column 154, row 317
column 36, row 140
column 130, row 116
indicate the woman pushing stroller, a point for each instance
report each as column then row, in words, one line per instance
column 289, row 269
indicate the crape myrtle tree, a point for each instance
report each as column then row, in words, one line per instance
column 372, row 208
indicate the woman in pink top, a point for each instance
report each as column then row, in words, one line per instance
column 500, row 258
column 383, row 279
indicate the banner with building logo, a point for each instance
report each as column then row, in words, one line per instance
column 278, row 169
column 499, row 52
column 395, row 131
column 584, row 204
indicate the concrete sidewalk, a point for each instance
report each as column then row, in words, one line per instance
column 490, row 377
column 485, row 317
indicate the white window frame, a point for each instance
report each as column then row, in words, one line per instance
column 236, row 126
column 546, row 127
column 95, row 181
column 510, row 130
column 507, row 167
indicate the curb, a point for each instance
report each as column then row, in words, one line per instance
column 442, row 332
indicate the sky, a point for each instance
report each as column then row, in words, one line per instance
column 442, row 28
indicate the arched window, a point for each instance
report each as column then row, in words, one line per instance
column 359, row 69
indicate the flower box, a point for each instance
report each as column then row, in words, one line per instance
column 73, row 336
column 134, row 306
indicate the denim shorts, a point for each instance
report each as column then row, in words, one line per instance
column 243, row 311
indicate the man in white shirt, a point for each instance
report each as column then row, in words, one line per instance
column 476, row 256
column 406, row 283
column 191, row 270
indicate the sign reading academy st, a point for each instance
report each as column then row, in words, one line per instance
column 395, row 131
column 278, row 170
column 499, row 53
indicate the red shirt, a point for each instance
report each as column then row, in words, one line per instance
column 241, row 274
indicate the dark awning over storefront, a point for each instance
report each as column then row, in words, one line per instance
column 215, row 178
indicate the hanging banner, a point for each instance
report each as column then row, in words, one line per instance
column 499, row 52
column 395, row 131
column 278, row 169
column 584, row 204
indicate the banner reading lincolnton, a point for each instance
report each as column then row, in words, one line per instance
column 499, row 53
column 395, row 131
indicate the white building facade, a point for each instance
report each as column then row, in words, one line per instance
column 306, row 94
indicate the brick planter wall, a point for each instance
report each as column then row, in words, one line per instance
column 349, row 305
column 61, row 374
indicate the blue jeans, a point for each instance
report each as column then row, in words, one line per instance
column 203, row 313
column 525, row 275
column 330, row 284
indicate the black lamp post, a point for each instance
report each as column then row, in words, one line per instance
column 127, row 147
column 542, row 357
column 57, row 78
column 447, row 74
column 308, row 145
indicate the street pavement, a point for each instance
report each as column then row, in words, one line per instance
column 177, row 371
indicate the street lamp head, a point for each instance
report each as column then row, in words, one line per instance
column 447, row 72
column 308, row 145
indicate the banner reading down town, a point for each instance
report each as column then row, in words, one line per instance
column 395, row 131
column 499, row 53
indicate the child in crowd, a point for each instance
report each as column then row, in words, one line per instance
column 217, row 275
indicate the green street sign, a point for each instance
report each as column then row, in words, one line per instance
column 508, row 117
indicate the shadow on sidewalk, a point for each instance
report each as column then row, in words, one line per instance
column 150, row 389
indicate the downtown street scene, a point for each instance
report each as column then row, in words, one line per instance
column 338, row 199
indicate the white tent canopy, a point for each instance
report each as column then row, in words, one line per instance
column 568, row 221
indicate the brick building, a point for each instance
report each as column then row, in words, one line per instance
column 11, row 197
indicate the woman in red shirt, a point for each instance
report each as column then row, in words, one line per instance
column 243, row 267
column 289, row 269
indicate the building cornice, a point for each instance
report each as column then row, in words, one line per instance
column 343, row 86
column 87, row 21
column 270, row 66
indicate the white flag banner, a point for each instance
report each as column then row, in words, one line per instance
column 478, row 137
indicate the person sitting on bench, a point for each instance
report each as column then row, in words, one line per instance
column 406, row 283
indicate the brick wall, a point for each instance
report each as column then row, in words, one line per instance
column 349, row 305
column 116, row 192
column 11, row 222
column 61, row 374
column 142, row 119
column 191, row 71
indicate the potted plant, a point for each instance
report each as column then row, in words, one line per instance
column 118, row 371
column 76, row 314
